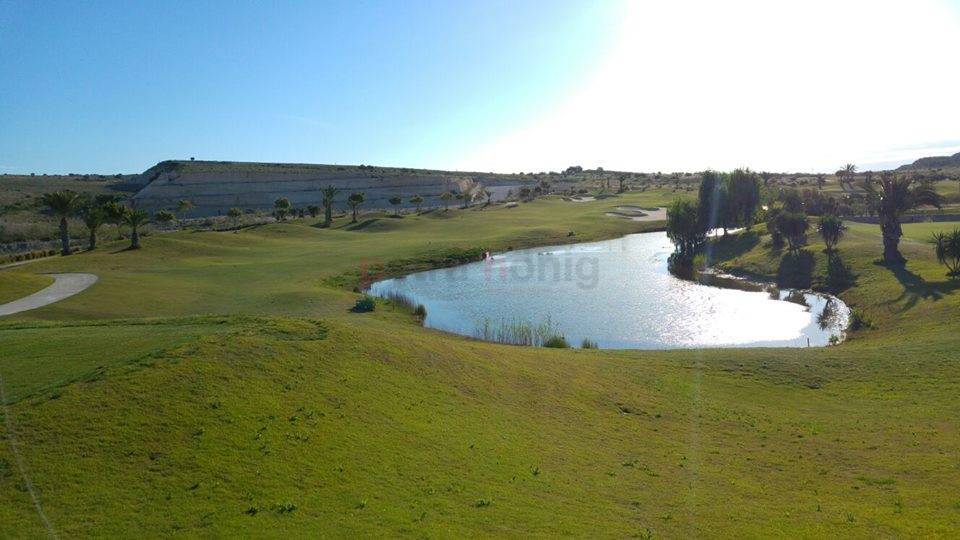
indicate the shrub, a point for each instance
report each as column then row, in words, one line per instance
column 588, row 343
column 859, row 320
column 420, row 312
column 364, row 305
column 556, row 342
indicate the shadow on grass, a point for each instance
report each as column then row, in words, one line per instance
column 731, row 246
column 840, row 276
column 915, row 288
column 796, row 270
column 359, row 226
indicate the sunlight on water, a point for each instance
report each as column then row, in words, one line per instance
column 617, row 293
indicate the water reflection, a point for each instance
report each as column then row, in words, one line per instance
column 619, row 294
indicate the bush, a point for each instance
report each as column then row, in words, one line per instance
column 588, row 344
column 364, row 305
column 556, row 342
column 859, row 320
column 420, row 312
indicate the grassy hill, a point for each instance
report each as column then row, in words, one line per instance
column 216, row 383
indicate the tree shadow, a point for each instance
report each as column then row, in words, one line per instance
column 731, row 246
column 362, row 224
column 840, row 276
column 915, row 288
column 796, row 270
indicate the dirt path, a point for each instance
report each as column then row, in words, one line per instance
column 64, row 286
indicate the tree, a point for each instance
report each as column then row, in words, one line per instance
column 743, row 197
column 62, row 204
column 766, row 178
column 525, row 194
column 793, row 227
column 234, row 215
column 708, row 199
column 445, row 197
column 831, row 229
column 314, row 210
column 281, row 207
column 396, row 201
column 355, row 200
column 164, row 217
column 183, row 207
column 134, row 219
column 416, row 200
column 115, row 213
column 821, row 181
column 686, row 229
column 93, row 217
column 773, row 226
column 893, row 196
column 467, row 198
column 947, row 249
column 622, row 183
column 329, row 193
column 847, row 174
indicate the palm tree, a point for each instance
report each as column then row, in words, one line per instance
column 947, row 247
column 831, row 230
column 893, row 196
column 355, row 200
column 134, row 219
column 847, row 173
column 62, row 204
column 329, row 193
column 114, row 213
column 93, row 217
column 164, row 216
column 184, row 206
column 445, row 197
column 416, row 200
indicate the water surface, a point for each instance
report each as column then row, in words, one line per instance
column 619, row 294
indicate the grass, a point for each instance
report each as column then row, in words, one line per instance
column 17, row 283
column 281, row 410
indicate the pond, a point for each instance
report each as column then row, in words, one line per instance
column 617, row 293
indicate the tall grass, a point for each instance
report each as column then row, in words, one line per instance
column 401, row 300
column 517, row 332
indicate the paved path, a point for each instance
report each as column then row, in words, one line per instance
column 64, row 286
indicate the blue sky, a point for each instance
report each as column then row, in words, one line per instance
column 479, row 85
column 117, row 86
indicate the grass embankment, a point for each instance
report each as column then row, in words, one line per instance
column 16, row 284
column 290, row 415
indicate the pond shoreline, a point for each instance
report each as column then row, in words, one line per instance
column 816, row 303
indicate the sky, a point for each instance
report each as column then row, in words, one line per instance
column 486, row 85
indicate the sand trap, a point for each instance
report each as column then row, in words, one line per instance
column 581, row 199
column 636, row 213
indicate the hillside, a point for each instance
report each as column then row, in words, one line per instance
column 933, row 162
column 216, row 186
column 216, row 383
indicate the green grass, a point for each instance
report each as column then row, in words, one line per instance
column 17, row 283
column 286, row 414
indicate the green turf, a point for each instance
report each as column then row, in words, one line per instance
column 19, row 282
column 285, row 414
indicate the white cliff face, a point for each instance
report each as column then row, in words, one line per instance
column 213, row 187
